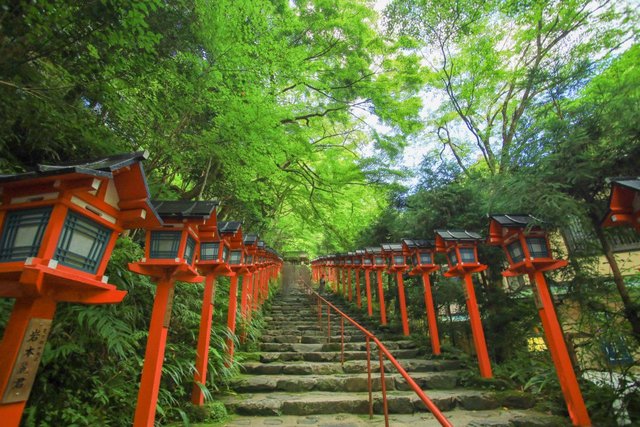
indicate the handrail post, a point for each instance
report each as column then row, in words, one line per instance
column 328, row 323
column 369, row 377
column 342, row 341
column 383, row 387
column 320, row 313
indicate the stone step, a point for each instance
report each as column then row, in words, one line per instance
column 319, row 356
column 458, row 417
column 344, row 382
column 317, row 332
column 333, row 346
column 320, row 402
column 351, row 366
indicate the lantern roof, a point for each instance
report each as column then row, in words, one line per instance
column 229, row 227
column 359, row 252
column 99, row 167
column 184, row 209
column 373, row 250
column 515, row 220
column 351, row 253
column 251, row 239
column 458, row 235
column 391, row 247
column 419, row 243
column 630, row 182
column 124, row 170
column 261, row 244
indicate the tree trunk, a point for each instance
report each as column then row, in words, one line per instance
column 631, row 311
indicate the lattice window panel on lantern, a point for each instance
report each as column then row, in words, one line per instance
column 189, row 250
column 82, row 243
column 537, row 247
column 425, row 259
column 22, row 233
column 468, row 254
column 165, row 244
column 209, row 251
column 235, row 258
column 515, row 251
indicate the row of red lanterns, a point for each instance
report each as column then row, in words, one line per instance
column 59, row 225
column 526, row 246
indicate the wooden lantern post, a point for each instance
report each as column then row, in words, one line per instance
column 527, row 248
column 367, row 266
column 462, row 254
column 422, row 253
column 348, row 261
column 59, row 226
column 231, row 231
column 357, row 265
column 251, row 248
column 397, row 264
column 334, row 273
column 211, row 263
column 377, row 264
column 624, row 203
column 343, row 274
column 171, row 251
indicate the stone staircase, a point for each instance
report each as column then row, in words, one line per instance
column 301, row 379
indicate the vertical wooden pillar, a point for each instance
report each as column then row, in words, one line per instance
column 20, row 353
column 204, row 338
column 403, row 304
column 367, row 283
column 349, row 284
column 476, row 328
column 154, row 354
column 244, row 300
column 383, row 311
column 559, row 354
column 431, row 314
column 231, row 316
column 358, row 294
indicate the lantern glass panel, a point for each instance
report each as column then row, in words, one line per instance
column 209, row 251
column 357, row 261
column 414, row 259
column 164, row 244
column 22, row 233
column 249, row 259
column 468, row 254
column 453, row 259
column 398, row 260
column 82, row 243
column 515, row 251
column 425, row 258
column 348, row 262
column 367, row 261
column 189, row 249
column 537, row 247
column 235, row 258
column 379, row 260
column 225, row 254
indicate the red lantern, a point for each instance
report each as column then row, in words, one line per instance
column 422, row 254
column 378, row 264
column 624, row 203
column 59, row 226
column 232, row 232
column 396, row 263
column 461, row 248
column 171, row 252
column 526, row 246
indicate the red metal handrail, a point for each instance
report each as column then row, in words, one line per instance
column 382, row 350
